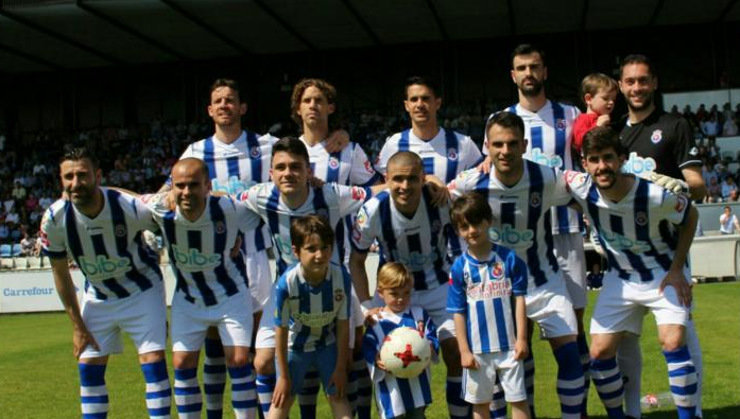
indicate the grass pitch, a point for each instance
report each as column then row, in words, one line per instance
column 38, row 376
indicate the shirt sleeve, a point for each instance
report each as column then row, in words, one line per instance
column 282, row 303
column 345, row 307
column 145, row 216
column 362, row 172
column 471, row 156
column 364, row 229
column 456, row 297
column 517, row 273
column 684, row 149
column 463, row 182
column 52, row 237
column 561, row 193
column 350, row 198
column 370, row 347
column 381, row 164
column 675, row 208
column 430, row 331
column 248, row 219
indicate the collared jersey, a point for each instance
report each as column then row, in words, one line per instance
column 420, row 242
column 109, row 249
column 444, row 156
column 520, row 214
column 236, row 167
column 398, row 396
column 311, row 312
column 549, row 132
column 200, row 250
column 662, row 143
column 638, row 232
column 333, row 201
column 482, row 291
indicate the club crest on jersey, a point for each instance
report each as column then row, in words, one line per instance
column 573, row 178
column 498, row 271
column 358, row 194
column 120, row 230
column 535, row 199
column 452, row 154
column 656, row 136
column 560, row 124
column 333, row 162
column 220, row 227
column 255, row 152
column 338, row 295
column 641, row 218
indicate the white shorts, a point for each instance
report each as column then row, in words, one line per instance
column 572, row 261
column 266, row 332
column 435, row 303
column 142, row 316
column 622, row 304
column 549, row 306
column 260, row 278
column 232, row 316
column 478, row 385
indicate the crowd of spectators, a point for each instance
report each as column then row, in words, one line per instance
column 711, row 123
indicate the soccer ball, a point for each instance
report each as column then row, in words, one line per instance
column 405, row 352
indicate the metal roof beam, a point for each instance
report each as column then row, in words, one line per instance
column 438, row 20
column 61, row 37
column 287, row 26
column 129, row 30
column 656, row 12
column 206, row 27
column 353, row 11
column 38, row 60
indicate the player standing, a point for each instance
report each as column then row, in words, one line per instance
column 646, row 232
column 101, row 230
column 520, row 192
column 661, row 142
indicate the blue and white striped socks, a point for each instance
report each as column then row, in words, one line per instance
column 187, row 393
column 265, row 387
column 214, row 378
column 570, row 380
column 308, row 395
column 457, row 407
column 585, row 364
column 364, row 386
column 498, row 405
column 529, row 380
column 93, row 392
column 243, row 392
column 682, row 379
column 608, row 382
column 158, row 391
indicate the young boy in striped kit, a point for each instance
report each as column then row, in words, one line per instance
column 646, row 232
column 312, row 307
column 484, row 282
column 398, row 397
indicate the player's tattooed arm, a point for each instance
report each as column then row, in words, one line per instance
column 338, row 139
column 81, row 337
column 675, row 275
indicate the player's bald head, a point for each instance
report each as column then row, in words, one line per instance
column 405, row 159
column 191, row 165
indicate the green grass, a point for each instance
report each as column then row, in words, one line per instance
column 38, row 376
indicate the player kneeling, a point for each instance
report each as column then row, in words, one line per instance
column 482, row 283
column 395, row 396
column 312, row 319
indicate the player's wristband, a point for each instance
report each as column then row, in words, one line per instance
column 366, row 306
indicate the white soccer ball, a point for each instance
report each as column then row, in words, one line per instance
column 405, row 352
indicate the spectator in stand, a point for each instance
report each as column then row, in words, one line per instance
column 8, row 202
column 4, row 233
column 729, row 189
column 701, row 114
column 31, row 202
column 728, row 223
column 714, row 191
column 28, row 244
column 12, row 217
column 711, row 127
column 729, row 129
column 19, row 192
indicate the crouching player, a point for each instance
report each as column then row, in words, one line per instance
column 646, row 232
column 212, row 287
column 483, row 282
column 398, row 397
column 312, row 307
column 101, row 230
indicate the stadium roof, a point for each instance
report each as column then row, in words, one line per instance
column 43, row 35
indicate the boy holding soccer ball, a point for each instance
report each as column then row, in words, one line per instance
column 398, row 397
column 312, row 309
column 483, row 282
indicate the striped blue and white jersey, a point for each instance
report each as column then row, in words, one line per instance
column 444, row 156
column 549, row 132
column 200, row 250
column 638, row 232
column 482, row 291
column 311, row 312
column 333, row 201
column 423, row 242
column 236, row 167
column 520, row 214
column 398, row 396
column 109, row 249
column 349, row 166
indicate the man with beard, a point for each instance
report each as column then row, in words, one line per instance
column 548, row 127
column 646, row 232
column 101, row 229
column 661, row 142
